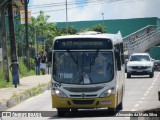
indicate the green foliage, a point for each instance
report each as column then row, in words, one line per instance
column 71, row 30
column 23, row 68
column 3, row 82
column 98, row 28
column 41, row 27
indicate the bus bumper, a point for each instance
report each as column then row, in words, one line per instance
column 84, row 103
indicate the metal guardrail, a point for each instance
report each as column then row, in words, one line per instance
column 144, row 41
column 137, row 35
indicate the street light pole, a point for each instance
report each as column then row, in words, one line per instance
column 103, row 18
column 25, row 3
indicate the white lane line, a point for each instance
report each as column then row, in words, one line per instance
column 143, row 98
column 136, row 105
column 140, row 102
column 145, row 94
column 133, row 110
column 151, row 86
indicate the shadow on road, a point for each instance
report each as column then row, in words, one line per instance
column 86, row 113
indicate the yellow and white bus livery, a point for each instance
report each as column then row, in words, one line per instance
column 87, row 72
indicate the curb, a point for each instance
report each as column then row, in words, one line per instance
column 13, row 101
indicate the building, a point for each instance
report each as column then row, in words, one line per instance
column 126, row 26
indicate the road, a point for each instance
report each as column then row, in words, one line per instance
column 141, row 93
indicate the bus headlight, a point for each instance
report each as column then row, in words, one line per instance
column 107, row 93
column 60, row 93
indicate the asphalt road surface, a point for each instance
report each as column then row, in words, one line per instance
column 141, row 93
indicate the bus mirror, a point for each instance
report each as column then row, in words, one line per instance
column 118, row 60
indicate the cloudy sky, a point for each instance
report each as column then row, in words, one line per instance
column 82, row 10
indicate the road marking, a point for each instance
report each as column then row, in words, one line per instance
column 143, row 98
column 153, row 83
column 145, row 94
column 140, row 102
column 133, row 110
column 151, row 86
column 136, row 105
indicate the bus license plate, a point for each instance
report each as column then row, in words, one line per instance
column 106, row 102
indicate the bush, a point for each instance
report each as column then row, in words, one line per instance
column 24, row 70
column 3, row 82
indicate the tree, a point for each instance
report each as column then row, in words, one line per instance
column 99, row 28
column 71, row 30
column 40, row 27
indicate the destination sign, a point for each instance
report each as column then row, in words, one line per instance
column 82, row 43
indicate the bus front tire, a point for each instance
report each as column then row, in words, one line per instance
column 120, row 106
column 112, row 111
column 62, row 112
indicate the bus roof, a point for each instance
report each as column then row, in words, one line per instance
column 116, row 38
column 87, row 41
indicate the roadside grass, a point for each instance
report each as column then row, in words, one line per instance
column 31, row 92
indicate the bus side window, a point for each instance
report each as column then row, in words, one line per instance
column 118, row 59
column 122, row 53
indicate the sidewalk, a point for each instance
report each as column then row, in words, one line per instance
column 26, row 83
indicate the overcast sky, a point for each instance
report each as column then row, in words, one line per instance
column 82, row 10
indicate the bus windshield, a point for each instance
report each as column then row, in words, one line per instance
column 89, row 67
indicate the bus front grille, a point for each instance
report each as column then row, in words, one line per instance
column 86, row 96
column 83, row 102
column 84, row 89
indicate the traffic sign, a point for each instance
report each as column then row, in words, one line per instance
column 41, row 39
column 22, row 12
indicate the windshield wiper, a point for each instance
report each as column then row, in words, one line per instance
column 73, row 58
column 94, row 58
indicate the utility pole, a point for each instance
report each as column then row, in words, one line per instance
column 66, row 17
column 4, row 46
column 25, row 3
column 11, row 31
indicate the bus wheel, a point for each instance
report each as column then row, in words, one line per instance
column 112, row 111
column 62, row 112
column 120, row 106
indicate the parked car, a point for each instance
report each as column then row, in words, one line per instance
column 157, row 65
column 140, row 64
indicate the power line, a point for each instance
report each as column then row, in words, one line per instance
column 71, row 3
column 90, row 5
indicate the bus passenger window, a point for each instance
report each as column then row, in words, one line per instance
column 118, row 59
